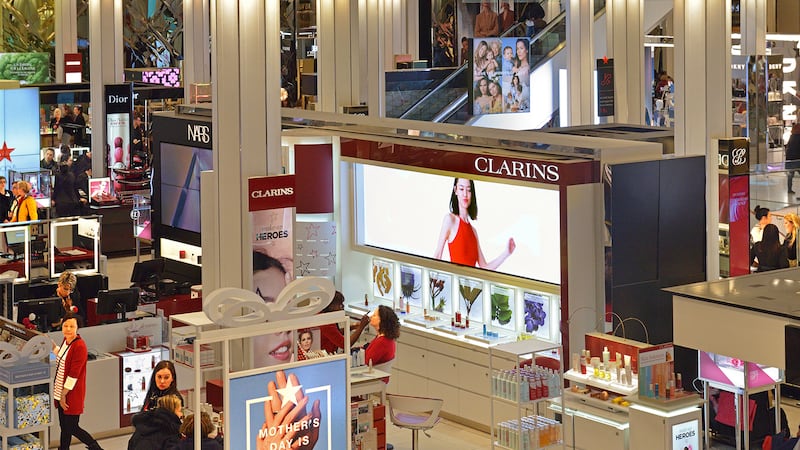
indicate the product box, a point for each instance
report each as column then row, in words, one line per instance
column 367, row 440
column 214, row 393
column 137, row 343
column 24, row 442
column 361, row 415
column 24, row 373
column 31, row 410
column 206, row 355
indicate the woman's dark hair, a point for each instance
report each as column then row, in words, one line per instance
column 390, row 324
column 334, row 305
column 770, row 239
column 152, row 388
column 478, row 87
column 262, row 261
column 796, row 128
column 472, row 210
column 760, row 212
column 72, row 315
column 206, row 426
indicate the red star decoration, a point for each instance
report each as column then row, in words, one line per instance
column 5, row 151
column 605, row 59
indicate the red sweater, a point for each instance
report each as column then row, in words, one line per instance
column 331, row 339
column 75, row 367
column 380, row 350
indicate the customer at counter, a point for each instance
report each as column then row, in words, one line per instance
column 769, row 252
column 381, row 349
column 70, row 298
column 332, row 338
column 163, row 382
column 159, row 428
column 49, row 160
column 791, row 222
column 6, row 198
column 206, row 428
column 26, row 205
column 763, row 217
column 65, row 192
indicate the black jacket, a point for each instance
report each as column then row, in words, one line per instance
column 157, row 429
column 793, row 152
column 206, row 444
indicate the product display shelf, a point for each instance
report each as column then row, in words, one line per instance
column 614, row 389
column 525, row 388
column 11, row 425
column 183, row 330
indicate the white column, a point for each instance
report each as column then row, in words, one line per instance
column 106, row 64
column 375, row 61
column 337, row 36
column 702, row 95
column 580, row 66
column 753, row 25
column 626, row 44
column 246, row 122
column 66, row 33
column 196, row 44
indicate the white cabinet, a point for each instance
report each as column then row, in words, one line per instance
column 25, row 405
column 517, row 390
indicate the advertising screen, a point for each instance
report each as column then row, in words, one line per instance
column 500, row 227
column 317, row 391
column 180, row 184
column 19, row 130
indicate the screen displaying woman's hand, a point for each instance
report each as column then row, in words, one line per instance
column 286, row 423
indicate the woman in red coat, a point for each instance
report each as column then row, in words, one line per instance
column 69, row 388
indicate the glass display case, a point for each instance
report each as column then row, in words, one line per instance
column 75, row 245
column 41, row 184
column 135, row 371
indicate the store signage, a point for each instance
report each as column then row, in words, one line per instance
column 319, row 388
column 656, row 355
column 198, row 133
column 733, row 156
column 686, row 435
column 28, row 68
column 563, row 172
column 605, row 87
column 271, row 192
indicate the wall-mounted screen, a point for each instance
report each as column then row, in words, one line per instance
column 500, row 227
column 180, row 184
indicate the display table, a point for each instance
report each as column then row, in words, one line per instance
column 677, row 423
column 751, row 314
column 364, row 381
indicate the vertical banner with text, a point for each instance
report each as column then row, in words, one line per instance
column 272, row 205
column 734, row 205
column 119, row 120
column 605, row 87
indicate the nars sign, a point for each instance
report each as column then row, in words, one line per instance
column 199, row 133
column 733, row 156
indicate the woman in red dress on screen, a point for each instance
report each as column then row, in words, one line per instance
column 458, row 233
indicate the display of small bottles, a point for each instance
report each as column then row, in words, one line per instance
column 526, row 384
column 530, row 433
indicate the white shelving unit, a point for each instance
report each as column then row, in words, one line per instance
column 10, row 427
column 524, row 391
column 183, row 328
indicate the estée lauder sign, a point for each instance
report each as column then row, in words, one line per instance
column 563, row 172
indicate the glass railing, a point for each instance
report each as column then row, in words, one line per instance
column 447, row 102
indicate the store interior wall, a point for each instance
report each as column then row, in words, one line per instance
column 658, row 234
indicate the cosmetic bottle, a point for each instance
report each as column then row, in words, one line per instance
column 606, row 356
column 401, row 304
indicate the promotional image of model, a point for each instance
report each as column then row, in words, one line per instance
column 457, row 232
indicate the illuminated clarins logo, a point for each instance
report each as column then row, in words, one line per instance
column 199, row 133
column 277, row 192
column 115, row 99
column 517, row 169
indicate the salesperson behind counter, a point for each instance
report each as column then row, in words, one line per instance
column 381, row 349
column 332, row 338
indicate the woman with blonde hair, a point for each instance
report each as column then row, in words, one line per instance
column 791, row 222
column 26, row 209
column 206, row 428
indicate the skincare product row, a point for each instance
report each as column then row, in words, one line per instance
column 619, row 370
column 526, row 384
column 532, row 432
column 357, row 357
column 659, row 386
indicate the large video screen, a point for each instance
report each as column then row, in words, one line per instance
column 500, row 227
column 180, row 184
column 19, row 130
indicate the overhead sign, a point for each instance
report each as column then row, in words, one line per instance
column 605, row 87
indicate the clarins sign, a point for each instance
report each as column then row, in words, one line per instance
column 563, row 172
column 517, row 169
column 271, row 192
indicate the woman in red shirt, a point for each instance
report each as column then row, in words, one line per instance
column 69, row 388
column 460, row 236
column 381, row 349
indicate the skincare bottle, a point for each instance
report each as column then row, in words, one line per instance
column 583, row 366
column 575, row 365
column 401, row 303
column 408, row 307
column 466, row 323
column 606, row 356
column 366, row 300
column 678, row 382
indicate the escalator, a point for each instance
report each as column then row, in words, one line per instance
column 448, row 101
